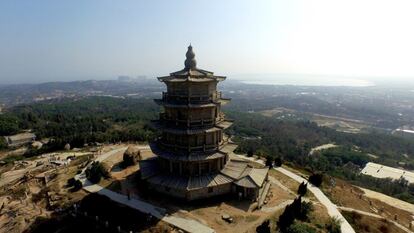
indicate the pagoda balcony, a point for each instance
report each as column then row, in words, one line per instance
column 190, row 123
column 191, row 149
column 193, row 98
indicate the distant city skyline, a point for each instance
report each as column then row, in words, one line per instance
column 77, row 40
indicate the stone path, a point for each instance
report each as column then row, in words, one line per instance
column 188, row 225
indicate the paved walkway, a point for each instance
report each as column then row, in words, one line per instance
column 188, row 225
column 324, row 200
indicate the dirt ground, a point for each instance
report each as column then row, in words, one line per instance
column 344, row 194
column 366, row 224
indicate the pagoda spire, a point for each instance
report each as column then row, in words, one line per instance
column 190, row 62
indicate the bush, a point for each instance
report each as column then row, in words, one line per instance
column 269, row 162
column 250, row 153
column 297, row 210
column 3, row 143
column 128, row 158
column 278, row 162
column 333, row 226
column 95, row 172
column 316, row 179
column 71, row 182
column 298, row 227
column 303, row 188
column 77, row 186
column 264, row 227
column 306, row 208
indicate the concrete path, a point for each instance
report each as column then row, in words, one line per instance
column 324, row 200
column 188, row 225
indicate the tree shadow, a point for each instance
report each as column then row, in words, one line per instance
column 95, row 213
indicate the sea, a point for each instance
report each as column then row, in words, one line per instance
column 303, row 80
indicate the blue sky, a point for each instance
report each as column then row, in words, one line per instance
column 71, row 40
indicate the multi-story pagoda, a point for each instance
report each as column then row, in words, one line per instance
column 191, row 160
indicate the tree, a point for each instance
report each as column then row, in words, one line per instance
column 286, row 218
column 269, row 162
column 264, row 227
column 250, row 152
column 302, row 189
column 316, row 179
column 95, row 172
column 278, row 162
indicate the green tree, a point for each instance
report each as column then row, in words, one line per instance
column 302, row 189
column 286, row 218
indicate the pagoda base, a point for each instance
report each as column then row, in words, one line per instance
column 236, row 177
column 174, row 186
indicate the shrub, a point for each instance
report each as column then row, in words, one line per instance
column 278, row 162
column 77, row 186
column 264, row 227
column 3, row 143
column 95, row 172
column 250, row 153
column 128, row 158
column 298, row 227
column 316, row 179
column 305, row 209
column 269, row 162
column 333, row 226
column 71, row 182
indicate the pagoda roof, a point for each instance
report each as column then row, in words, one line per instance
column 190, row 182
column 185, row 157
column 190, row 78
column 191, row 73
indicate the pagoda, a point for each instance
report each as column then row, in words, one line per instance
column 192, row 161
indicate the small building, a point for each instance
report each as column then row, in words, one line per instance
column 20, row 139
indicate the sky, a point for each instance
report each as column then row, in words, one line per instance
column 77, row 39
